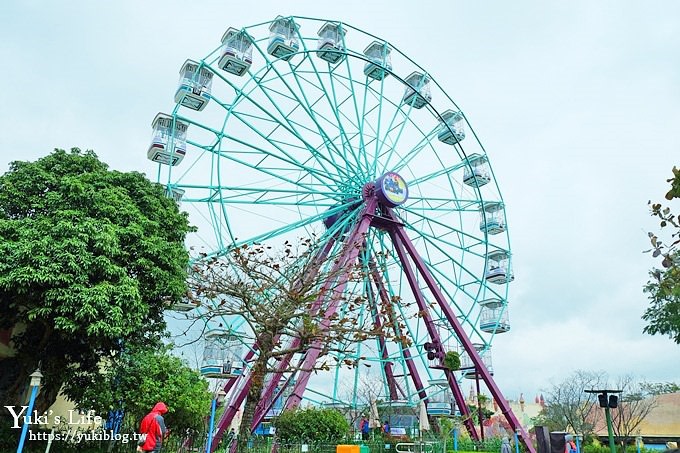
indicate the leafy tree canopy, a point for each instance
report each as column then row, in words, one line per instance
column 663, row 313
column 137, row 380
column 311, row 424
column 89, row 258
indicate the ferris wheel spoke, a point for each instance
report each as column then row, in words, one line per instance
column 302, row 100
column 335, row 109
column 284, row 155
column 408, row 318
column 475, row 241
column 443, row 247
column 406, row 159
column 394, row 141
column 287, row 228
column 281, row 120
column 353, row 96
column 441, row 205
column 255, row 151
column 448, row 171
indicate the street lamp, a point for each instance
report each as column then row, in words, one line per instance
column 608, row 399
column 456, row 433
column 219, row 397
column 36, row 376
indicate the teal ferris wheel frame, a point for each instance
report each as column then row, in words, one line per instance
column 292, row 136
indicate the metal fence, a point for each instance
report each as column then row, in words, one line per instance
column 265, row 444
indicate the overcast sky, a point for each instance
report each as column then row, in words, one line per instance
column 577, row 104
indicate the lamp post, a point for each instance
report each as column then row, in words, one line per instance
column 456, row 432
column 517, row 440
column 219, row 397
column 608, row 400
column 36, row 376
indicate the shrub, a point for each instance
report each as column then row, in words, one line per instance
column 311, row 424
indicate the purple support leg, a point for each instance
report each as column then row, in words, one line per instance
column 405, row 352
column 431, row 328
column 236, row 400
column 351, row 251
column 467, row 344
column 387, row 367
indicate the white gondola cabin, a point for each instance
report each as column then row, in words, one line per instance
column 380, row 62
column 498, row 267
column 440, row 398
column 222, row 355
column 195, row 82
column 492, row 302
column 476, row 173
column 417, row 92
column 452, row 127
column 278, row 405
column 331, row 42
column 184, row 306
column 168, row 144
column 467, row 366
column 492, row 218
column 236, row 54
column 494, row 320
column 283, row 38
column 175, row 193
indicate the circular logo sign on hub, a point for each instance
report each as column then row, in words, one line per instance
column 391, row 189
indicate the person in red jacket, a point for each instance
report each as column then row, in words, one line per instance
column 153, row 426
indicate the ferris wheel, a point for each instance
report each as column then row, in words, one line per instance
column 300, row 127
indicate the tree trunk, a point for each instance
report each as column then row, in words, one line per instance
column 255, row 392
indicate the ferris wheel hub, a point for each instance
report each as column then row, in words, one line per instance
column 391, row 189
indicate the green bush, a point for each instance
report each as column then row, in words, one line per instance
column 312, row 424
column 594, row 446
column 452, row 360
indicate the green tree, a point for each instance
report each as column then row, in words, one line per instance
column 311, row 424
column 285, row 295
column 136, row 380
column 663, row 289
column 634, row 406
column 568, row 407
column 89, row 259
column 659, row 388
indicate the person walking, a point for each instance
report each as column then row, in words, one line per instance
column 153, row 426
column 505, row 445
column 569, row 445
column 365, row 428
